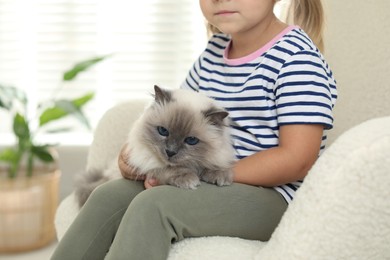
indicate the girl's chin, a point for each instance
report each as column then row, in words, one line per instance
column 229, row 29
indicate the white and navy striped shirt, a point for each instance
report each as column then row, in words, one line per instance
column 285, row 82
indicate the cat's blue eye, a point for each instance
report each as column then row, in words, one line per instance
column 162, row 131
column 191, row 140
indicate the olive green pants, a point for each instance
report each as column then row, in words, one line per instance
column 121, row 220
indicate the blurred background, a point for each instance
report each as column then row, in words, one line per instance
column 150, row 42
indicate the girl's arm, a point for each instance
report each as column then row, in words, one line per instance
column 298, row 149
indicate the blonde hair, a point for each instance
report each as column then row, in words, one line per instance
column 211, row 29
column 307, row 14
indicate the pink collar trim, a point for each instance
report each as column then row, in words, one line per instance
column 259, row 52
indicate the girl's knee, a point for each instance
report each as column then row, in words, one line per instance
column 155, row 199
column 119, row 191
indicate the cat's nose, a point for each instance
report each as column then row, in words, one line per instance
column 170, row 153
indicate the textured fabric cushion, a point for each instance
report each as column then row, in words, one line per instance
column 65, row 214
column 342, row 211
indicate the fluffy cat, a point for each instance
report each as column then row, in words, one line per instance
column 180, row 139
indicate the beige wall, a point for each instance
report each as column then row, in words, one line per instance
column 358, row 50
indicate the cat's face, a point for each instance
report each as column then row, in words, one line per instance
column 182, row 129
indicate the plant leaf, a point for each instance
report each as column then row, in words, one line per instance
column 8, row 155
column 64, row 107
column 82, row 66
column 42, row 153
column 71, row 108
column 51, row 114
column 61, row 109
column 20, row 127
column 58, row 130
column 81, row 101
column 8, row 94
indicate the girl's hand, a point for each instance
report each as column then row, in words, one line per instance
column 127, row 171
column 150, row 183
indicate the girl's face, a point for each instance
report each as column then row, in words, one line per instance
column 238, row 16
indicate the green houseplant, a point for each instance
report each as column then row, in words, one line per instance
column 29, row 173
column 51, row 110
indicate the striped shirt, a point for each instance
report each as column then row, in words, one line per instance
column 285, row 82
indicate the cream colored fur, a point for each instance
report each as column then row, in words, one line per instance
column 143, row 158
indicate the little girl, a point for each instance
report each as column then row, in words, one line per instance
column 279, row 92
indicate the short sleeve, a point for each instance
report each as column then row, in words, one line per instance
column 305, row 91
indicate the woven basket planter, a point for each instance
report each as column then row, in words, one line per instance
column 27, row 210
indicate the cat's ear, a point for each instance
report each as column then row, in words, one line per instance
column 161, row 96
column 216, row 115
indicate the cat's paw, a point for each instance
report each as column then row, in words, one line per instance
column 219, row 177
column 185, row 180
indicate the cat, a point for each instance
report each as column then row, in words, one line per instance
column 181, row 139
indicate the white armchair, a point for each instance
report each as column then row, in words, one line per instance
column 342, row 211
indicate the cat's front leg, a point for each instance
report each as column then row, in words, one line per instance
column 222, row 177
column 179, row 177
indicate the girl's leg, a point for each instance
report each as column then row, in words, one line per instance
column 92, row 232
column 165, row 214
